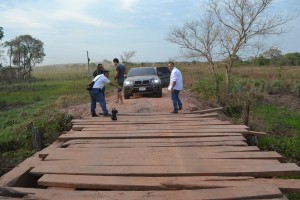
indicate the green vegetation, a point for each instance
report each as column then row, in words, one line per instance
column 24, row 105
column 284, row 126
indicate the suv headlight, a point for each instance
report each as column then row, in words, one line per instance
column 128, row 83
column 156, row 81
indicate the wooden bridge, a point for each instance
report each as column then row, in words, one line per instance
column 157, row 156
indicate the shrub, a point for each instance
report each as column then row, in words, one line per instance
column 296, row 89
column 277, row 87
column 3, row 105
column 51, row 122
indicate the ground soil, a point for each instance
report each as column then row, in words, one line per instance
column 143, row 104
column 147, row 104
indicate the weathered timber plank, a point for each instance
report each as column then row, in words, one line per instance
column 166, row 131
column 248, row 192
column 160, row 152
column 148, row 161
column 159, row 140
column 225, row 143
column 159, row 127
column 235, row 169
column 135, row 183
column 85, row 135
column 187, row 144
column 161, row 183
column 156, row 126
column 121, row 120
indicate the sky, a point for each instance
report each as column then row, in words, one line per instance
column 108, row 28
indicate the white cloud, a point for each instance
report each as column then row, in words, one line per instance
column 78, row 11
column 129, row 5
column 20, row 19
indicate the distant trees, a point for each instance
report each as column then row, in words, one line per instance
column 126, row 56
column 274, row 57
column 230, row 28
column 25, row 52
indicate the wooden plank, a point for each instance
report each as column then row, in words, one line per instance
column 134, row 183
column 230, row 145
column 160, row 144
column 148, row 161
column 160, row 152
column 234, row 169
column 123, row 130
column 154, row 120
column 85, row 135
column 248, row 192
column 158, row 128
column 168, row 127
column 160, row 140
column 161, row 183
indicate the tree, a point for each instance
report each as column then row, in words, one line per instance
column 126, row 56
column 25, row 52
column 1, row 51
column 199, row 39
column 293, row 58
column 237, row 24
column 1, row 33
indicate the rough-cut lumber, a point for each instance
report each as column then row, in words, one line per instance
column 161, row 183
column 248, row 192
column 265, row 170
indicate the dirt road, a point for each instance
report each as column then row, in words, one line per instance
column 142, row 104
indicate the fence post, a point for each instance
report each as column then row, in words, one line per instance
column 251, row 139
column 37, row 138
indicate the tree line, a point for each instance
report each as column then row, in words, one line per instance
column 24, row 52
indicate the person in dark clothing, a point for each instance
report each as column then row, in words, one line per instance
column 100, row 69
column 119, row 77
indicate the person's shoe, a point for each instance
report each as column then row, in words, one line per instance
column 95, row 115
column 174, row 112
column 180, row 108
column 106, row 115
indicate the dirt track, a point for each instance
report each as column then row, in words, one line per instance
column 142, row 104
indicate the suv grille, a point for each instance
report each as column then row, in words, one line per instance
column 145, row 82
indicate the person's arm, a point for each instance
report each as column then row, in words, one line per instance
column 112, row 84
column 117, row 74
column 173, row 84
column 95, row 73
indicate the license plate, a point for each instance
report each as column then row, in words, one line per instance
column 142, row 89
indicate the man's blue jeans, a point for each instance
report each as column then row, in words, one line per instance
column 97, row 96
column 176, row 100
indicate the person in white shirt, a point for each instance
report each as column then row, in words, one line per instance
column 175, row 86
column 97, row 95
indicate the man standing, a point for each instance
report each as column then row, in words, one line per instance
column 176, row 85
column 119, row 77
column 97, row 95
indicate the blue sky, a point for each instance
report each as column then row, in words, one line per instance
column 107, row 28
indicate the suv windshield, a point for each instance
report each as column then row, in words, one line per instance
column 143, row 71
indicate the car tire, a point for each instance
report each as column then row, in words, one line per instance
column 126, row 96
column 159, row 94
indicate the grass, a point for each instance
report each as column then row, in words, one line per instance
column 38, row 104
column 283, row 126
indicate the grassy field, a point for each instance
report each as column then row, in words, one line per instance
column 38, row 103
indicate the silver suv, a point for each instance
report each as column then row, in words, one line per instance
column 142, row 80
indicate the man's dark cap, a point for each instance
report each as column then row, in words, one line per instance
column 105, row 71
